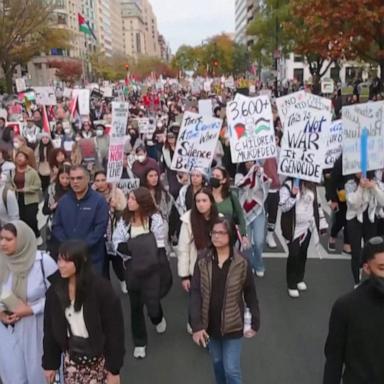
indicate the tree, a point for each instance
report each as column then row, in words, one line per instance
column 26, row 31
column 109, row 68
column 185, row 59
column 68, row 71
column 147, row 65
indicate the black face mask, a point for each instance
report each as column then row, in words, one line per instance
column 378, row 283
column 214, row 183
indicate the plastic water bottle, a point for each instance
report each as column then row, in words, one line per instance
column 247, row 321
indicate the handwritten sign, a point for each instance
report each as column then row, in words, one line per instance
column 196, row 143
column 115, row 159
column 128, row 185
column 20, row 85
column 120, row 113
column 45, row 95
column 306, row 119
column 251, row 131
column 355, row 118
column 334, row 143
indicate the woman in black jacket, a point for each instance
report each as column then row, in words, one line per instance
column 83, row 320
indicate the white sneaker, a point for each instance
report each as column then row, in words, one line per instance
column 139, row 353
column 162, row 326
column 260, row 273
column 271, row 240
column 293, row 293
column 302, row 286
column 123, row 286
column 189, row 329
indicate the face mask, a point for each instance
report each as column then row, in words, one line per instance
column 214, row 183
column 67, row 131
column 16, row 145
column 378, row 283
column 99, row 132
column 140, row 158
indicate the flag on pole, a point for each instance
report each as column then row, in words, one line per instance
column 84, row 26
column 46, row 127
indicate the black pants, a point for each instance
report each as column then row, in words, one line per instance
column 271, row 207
column 143, row 292
column 297, row 258
column 174, row 223
column 340, row 222
column 28, row 214
column 45, row 181
column 117, row 265
column 358, row 231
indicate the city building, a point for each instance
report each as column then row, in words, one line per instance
column 245, row 12
column 165, row 50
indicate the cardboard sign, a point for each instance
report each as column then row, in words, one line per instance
column 128, row 185
column 115, row 159
column 45, row 95
column 205, row 107
column 120, row 113
column 251, row 131
column 334, row 143
column 356, row 118
column 196, row 143
column 306, row 119
column 20, row 85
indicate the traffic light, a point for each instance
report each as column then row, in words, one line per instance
column 127, row 66
column 216, row 63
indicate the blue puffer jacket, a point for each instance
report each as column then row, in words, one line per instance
column 84, row 219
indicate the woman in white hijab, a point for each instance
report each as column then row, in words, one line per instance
column 23, row 283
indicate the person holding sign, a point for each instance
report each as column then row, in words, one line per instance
column 23, row 273
column 365, row 197
column 300, row 213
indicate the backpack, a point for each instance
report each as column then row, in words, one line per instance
column 5, row 197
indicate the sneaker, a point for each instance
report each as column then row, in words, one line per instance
column 331, row 246
column 356, row 286
column 271, row 240
column 162, row 326
column 260, row 273
column 293, row 293
column 302, row 286
column 123, row 286
column 139, row 353
column 189, row 329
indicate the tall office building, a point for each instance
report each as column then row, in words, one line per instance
column 245, row 12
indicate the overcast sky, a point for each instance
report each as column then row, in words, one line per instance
column 191, row 21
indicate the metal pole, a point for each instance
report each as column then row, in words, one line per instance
column 276, row 47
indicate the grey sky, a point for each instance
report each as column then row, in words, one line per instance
column 191, row 21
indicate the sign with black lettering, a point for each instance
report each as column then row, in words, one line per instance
column 196, row 143
column 334, row 143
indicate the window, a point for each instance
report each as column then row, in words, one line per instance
column 298, row 74
column 335, row 74
column 350, row 74
column 298, row 58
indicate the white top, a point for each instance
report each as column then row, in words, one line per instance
column 139, row 230
column 76, row 321
column 304, row 213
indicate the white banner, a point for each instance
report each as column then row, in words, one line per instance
column 334, row 144
column 128, row 185
column 251, row 131
column 306, row 119
column 120, row 113
column 115, row 159
column 20, row 85
column 45, row 95
column 355, row 118
column 196, row 143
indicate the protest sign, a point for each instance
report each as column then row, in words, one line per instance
column 20, row 85
column 251, row 131
column 67, row 93
column 45, row 95
column 3, row 113
column 115, row 159
column 207, row 86
column 107, row 91
column 146, row 128
column 334, row 144
column 120, row 113
column 306, row 119
column 356, row 118
column 128, row 185
column 196, row 143
column 83, row 100
column 205, row 107
column 327, row 86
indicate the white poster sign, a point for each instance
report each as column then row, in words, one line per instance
column 251, row 131
column 20, row 85
column 128, row 185
column 45, row 95
column 334, row 143
column 107, row 91
column 196, row 143
column 145, row 126
column 306, row 119
column 205, row 107
column 83, row 101
column 67, row 93
column 120, row 113
column 115, row 159
column 355, row 118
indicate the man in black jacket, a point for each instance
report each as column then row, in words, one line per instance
column 355, row 345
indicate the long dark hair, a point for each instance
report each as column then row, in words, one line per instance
column 200, row 226
column 225, row 191
column 146, row 204
column 52, row 158
column 59, row 190
column 159, row 188
column 49, row 147
column 75, row 251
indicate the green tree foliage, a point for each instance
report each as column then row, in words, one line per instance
column 27, row 30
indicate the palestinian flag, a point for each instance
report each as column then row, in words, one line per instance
column 84, row 26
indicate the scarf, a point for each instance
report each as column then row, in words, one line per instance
column 20, row 263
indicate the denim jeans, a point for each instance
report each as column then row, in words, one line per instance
column 225, row 354
column 256, row 235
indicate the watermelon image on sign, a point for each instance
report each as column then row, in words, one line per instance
column 240, row 130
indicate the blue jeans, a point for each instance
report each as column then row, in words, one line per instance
column 225, row 354
column 256, row 235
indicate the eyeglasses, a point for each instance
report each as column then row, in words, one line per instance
column 376, row 240
column 219, row 233
column 76, row 178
